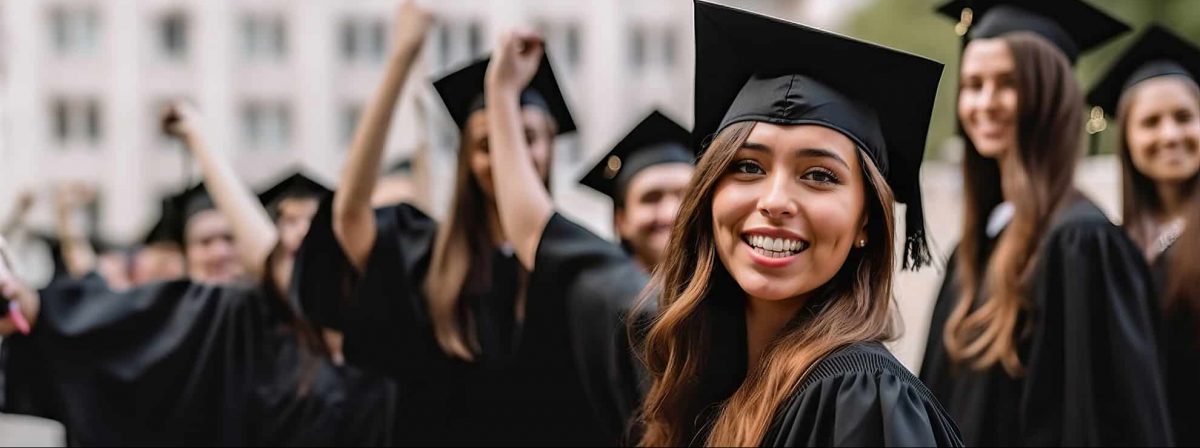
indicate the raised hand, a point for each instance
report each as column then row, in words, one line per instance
column 515, row 61
column 411, row 25
column 180, row 119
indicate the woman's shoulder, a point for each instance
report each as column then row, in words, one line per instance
column 867, row 358
column 860, row 395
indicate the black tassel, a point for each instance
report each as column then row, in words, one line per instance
column 916, row 245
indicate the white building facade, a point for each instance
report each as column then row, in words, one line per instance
column 281, row 84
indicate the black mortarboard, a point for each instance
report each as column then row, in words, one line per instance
column 1073, row 26
column 462, row 93
column 178, row 209
column 295, row 185
column 656, row 140
column 163, row 230
column 751, row 67
column 1158, row 52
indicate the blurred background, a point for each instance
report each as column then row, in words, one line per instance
column 281, row 85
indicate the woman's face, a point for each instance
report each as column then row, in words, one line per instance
column 789, row 210
column 538, row 135
column 1162, row 130
column 987, row 97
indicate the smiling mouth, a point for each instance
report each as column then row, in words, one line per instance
column 775, row 247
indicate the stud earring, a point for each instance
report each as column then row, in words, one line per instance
column 862, row 244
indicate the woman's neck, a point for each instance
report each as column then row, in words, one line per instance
column 1172, row 197
column 1010, row 176
column 765, row 319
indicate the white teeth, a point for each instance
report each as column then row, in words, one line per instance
column 775, row 244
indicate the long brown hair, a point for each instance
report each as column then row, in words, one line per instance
column 1142, row 205
column 1050, row 122
column 853, row 307
column 463, row 246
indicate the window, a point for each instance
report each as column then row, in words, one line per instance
column 475, row 38
column 445, row 45
column 264, row 37
column 363, row 40
column 76, row 30
column 670, row 46
column 348, row 122
column 573, row 44
column 637, row 48
column 266, row 125
column 172, row 35
column 77, row 121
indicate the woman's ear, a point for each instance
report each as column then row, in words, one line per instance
column 861, row 240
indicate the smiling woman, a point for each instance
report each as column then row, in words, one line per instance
column 776, row 290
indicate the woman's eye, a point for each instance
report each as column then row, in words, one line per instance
column 821, row 175
column 1184, row 116
column 747, row 167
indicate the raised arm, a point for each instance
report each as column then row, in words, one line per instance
column 77, row 251
column 353, row 217
column 254, row 234
column 16, row 218
column 523, row 202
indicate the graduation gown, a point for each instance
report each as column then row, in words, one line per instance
column 858, row 395
column 525, row 385
column 178, row 363
column 1181, row 353
column 1091, row 357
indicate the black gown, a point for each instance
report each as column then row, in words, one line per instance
column 1091, row 356
column 1181, row 353
column 177, row 363
column 857, row 396
column 529, row 384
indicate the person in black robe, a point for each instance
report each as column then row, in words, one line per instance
column 1152, row 88
column 1044, row 329
column 645, row 175
column 185, row 362
column 856, row 393
column 481, row 356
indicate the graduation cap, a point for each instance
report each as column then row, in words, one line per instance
column 1073, row 26
column 176, row 211
column 656, row 140
column 1158, row 52
column 294, row 186
column 751, row 67
column 462, row 93
column 162, row 231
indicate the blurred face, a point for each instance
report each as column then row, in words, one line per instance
column 651, row 202
column 537, row 134
column 113, row 267
column 987, row 97
column 158, row 262
column 789, row 210
column 295, row 215
column 1163, row 130
column 211, row 258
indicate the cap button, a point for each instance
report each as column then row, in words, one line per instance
column 964, row 22
column 612, row 167
column 1096, row 123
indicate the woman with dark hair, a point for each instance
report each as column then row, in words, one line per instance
column 444, row 308
column 1153, row 91
column 1044, row 331
column 776, row 289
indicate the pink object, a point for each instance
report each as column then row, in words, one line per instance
column 14, row 313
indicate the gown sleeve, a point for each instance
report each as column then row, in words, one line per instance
column 1094, row 376
column 167, row 363
column 591, row 286
column 378, row 310
column 862, row 399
